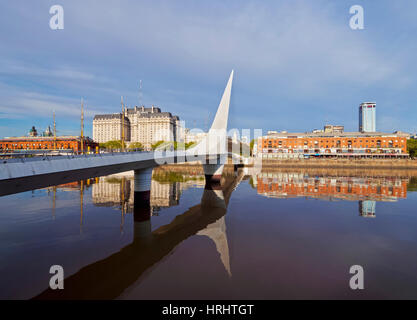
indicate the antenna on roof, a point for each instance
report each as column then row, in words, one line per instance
column 140, row 93
column 207, row 121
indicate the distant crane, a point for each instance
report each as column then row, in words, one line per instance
column 54, row 132
column 123, row 124
column 82, row 126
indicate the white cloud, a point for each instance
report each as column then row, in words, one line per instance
column 23, row 104
column 20, row 68
column 299, row 52
column 306, row 44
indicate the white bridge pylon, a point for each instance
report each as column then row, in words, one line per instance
column 215, row 142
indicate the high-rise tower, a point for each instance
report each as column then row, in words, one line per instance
column 367, row 117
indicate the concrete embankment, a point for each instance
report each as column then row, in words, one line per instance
column 195, row 169
column 319, row 167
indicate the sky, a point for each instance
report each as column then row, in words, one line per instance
column 297, row 64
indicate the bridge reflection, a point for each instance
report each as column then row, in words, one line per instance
column 108, row 278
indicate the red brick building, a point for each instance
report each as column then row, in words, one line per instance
column 46, row 143
column 333, row 144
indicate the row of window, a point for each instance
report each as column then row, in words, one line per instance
column 328, row 141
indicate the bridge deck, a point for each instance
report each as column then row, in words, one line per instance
column 18, row 175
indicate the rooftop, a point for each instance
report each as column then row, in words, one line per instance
column 142, row 112
column 40, row 138
column 108, row 116
column 336, row 134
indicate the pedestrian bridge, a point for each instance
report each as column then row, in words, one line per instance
column 18, row 175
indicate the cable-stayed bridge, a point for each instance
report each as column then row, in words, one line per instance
column 18, row 175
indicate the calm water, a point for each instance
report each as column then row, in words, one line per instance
column 265, row 235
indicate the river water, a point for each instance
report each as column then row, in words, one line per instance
column 269, row 234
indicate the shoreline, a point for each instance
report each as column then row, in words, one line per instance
column 383, row 164
column 319, row 167
column 379, row 164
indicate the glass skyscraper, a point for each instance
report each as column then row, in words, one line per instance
column 367, row 117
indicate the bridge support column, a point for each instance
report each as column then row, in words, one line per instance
column 212, row 198
column 142, row 204
column 213, row 174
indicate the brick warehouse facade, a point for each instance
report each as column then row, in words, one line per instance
column 344, row 144
column 46, row 143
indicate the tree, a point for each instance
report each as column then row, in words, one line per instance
column 412, row 147
column 113, row 144
column 156, row 144
column 252, row 143
column 189, row 144
column 173, row 144
column 182, row 145
column 136, row 145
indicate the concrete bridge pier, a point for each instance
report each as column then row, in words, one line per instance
column 213, row 173
column 142, row 203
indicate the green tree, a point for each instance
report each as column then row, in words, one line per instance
column 156, row 144
column 113, row 144
column 189, row 144
column 412, row 147
column 252, row 143
column 136, row 145
column 175, row 144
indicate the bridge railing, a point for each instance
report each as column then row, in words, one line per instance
column 46, row 156
column 160, row 157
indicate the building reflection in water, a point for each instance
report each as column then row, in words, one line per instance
column 367, row 208
column 366, row 190
column 76, row 186
column 118, row 191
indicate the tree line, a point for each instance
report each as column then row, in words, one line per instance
column 118, row 145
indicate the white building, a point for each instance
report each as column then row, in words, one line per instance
column 144, row 125
column 193, row 135
column 107, row 127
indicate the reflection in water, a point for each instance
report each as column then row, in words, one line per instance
column 217, row 232
column 118, row 190
column 365, row 190
column 108, row 278
column 367, row 208
column 75, row 225
column 80, row 186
